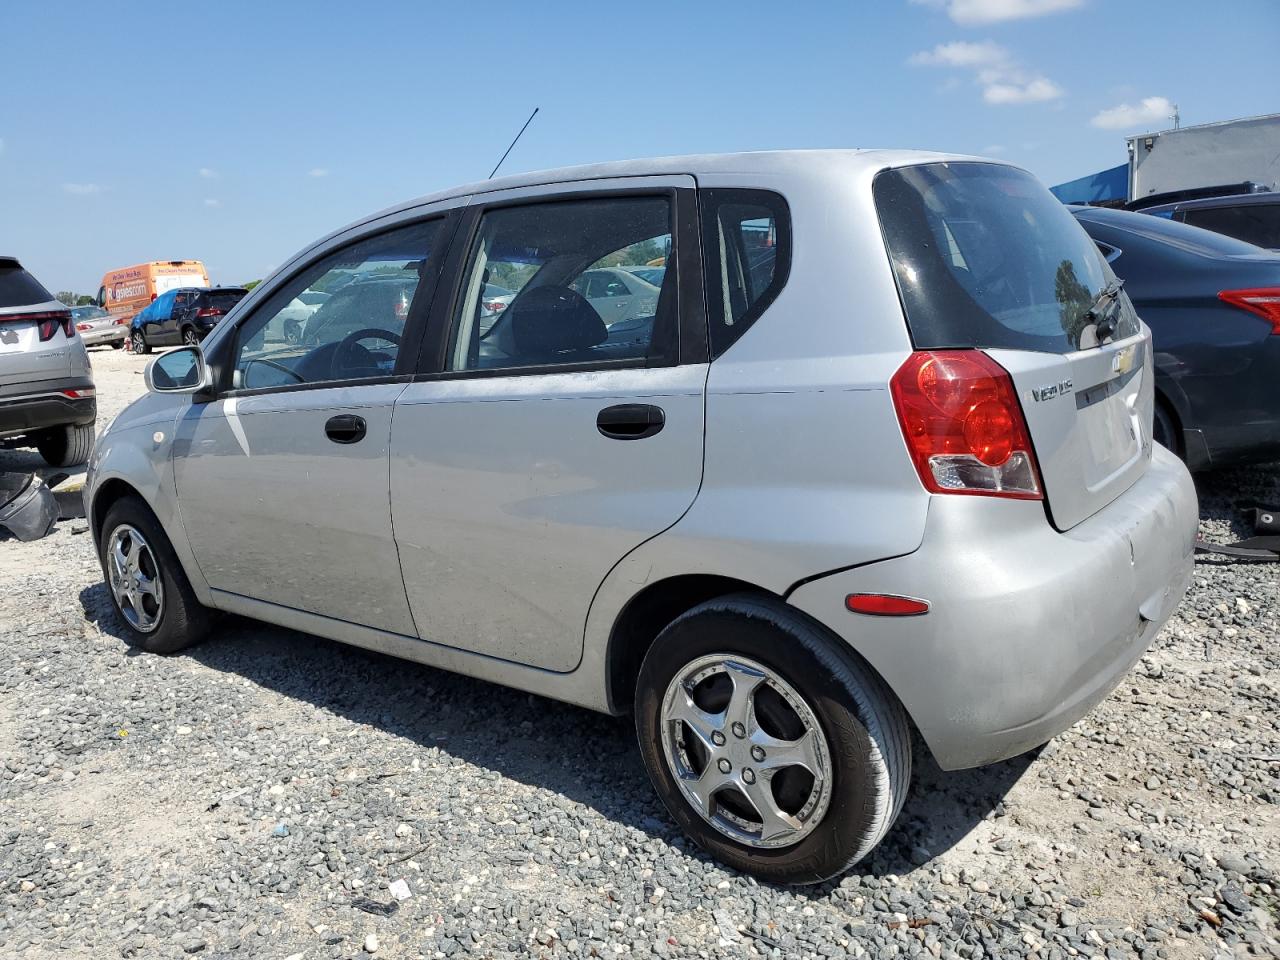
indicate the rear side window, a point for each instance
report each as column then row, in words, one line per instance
column 746, row 246
column 985, row 256
column 1256, row 223
column 19, row 288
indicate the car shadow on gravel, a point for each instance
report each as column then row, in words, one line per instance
column 587, row 757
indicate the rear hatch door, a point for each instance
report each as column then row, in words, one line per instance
column 986, row 258
column 24, row 357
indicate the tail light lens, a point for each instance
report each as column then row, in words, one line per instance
column 1264, row 301
column 48, row 322
column 208, row 312
column 964, row 426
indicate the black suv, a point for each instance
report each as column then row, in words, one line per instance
column 195, row 311
column 1251, row 217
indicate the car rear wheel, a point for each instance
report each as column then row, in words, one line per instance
column 140, row 344
column 149, row 589
column 1164, row 428
column 66, row 446
column 771, row 743
column 117, row 344
column 190, row 337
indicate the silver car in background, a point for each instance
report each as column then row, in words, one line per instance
column 96, row 327
column 781, row 532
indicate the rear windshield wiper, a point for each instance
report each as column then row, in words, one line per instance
column 1101, row 312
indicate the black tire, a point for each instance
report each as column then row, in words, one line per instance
column 867, row 732
column 140, row 344
column 117, row 344
column 183, row 621
column 189, row 337
column 66, row 446
column 1165, row 428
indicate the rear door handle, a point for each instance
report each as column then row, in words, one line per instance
column 345, row 428
column 630, row 421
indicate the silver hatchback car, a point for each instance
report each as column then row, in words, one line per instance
column 782, row 532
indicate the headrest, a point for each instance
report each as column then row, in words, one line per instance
column 550, row 320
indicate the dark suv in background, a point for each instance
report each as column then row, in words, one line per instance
column 183, row 316
column 1251, row 217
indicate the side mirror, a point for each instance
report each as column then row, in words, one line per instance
column 179, row 371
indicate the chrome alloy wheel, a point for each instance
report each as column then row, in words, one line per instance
column 746, row 750
column 134, row 577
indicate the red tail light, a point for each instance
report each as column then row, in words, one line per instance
column 208, row 312
column 48, row 322
column 1264, row 301
column 83, row 326
column 964, row 426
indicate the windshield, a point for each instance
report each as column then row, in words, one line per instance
column 985, row 256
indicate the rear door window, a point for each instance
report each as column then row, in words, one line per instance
column 746, row 245
column 18, row 288
column 986, row 256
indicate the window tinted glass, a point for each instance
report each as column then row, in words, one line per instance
column 222, row 300
column 566, row 307
column 18, row 288
column 985, row 256
column 355, row 331
column 1256, row 223
column 746, row 246
column 87, row 313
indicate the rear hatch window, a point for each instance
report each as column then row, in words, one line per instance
column 223, row 300
column 985, row 257
column 19, row 288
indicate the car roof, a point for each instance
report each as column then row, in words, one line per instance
column 1233, row 200
column 763, row 163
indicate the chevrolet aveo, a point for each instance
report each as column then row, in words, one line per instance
column 878, row 456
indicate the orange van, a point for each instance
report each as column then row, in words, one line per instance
column 126, row 291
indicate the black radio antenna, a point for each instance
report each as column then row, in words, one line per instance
column 513, row 142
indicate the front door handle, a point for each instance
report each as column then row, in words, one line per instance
column 345, row 428
column 630, row 421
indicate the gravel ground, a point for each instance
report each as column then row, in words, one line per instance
column 258, row 795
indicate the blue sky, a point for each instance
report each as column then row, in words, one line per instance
column 238, row 132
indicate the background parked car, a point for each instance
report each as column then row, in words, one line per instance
column 201, row 310
column 1213, row 306
column 291, row 320
column 47, row 398
column 617, row 294
column 182, row 316
column 96, row 326
column 1251, row 217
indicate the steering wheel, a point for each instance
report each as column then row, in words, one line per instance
column 348, row 344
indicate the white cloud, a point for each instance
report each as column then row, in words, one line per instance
column 317, row 172
column 971, row 12
column 961, row 53
column 1035, row 90
column 210, row 202
column 81, row 189
column 1152, row 111
column 1002, row 78
column 208, row 173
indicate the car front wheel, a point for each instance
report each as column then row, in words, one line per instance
column 772, row 745
column 140, row 344
column 149, row 589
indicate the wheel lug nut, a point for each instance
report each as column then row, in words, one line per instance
column 748, row 775
column 739, row 730
column 725, row 766
column 757, row 753
column 717, row 738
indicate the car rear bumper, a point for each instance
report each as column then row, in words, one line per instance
column 25, row 408
column 112, row 334
column 1028, row 629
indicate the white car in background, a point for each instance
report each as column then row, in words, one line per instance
column 617, row 293
column 293, row 318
